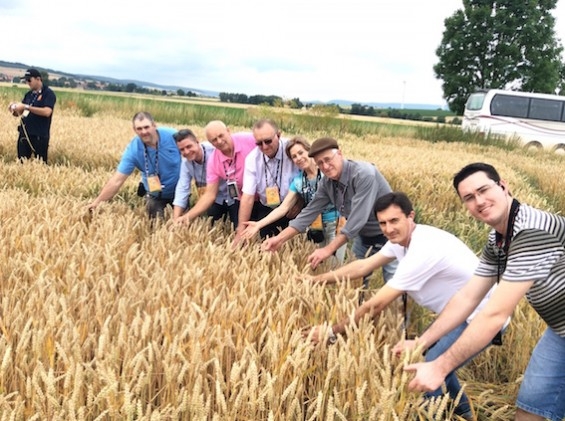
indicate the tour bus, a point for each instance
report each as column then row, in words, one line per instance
column 537, row 120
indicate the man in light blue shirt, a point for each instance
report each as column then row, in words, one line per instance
column 153, row 152
column 195, row 156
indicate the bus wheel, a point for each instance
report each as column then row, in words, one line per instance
column 559, row 149
column 533, row 146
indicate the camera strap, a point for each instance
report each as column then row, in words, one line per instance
column 503, row 244
column 23, row 126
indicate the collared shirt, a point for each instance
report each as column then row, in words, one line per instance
column 262, row 172
column 192, row 170
column 536, row 253
column 354, row 196
column 221, row 167
column 165, row 161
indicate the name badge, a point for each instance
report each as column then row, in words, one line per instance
column 154, row 183
column 233, row 191
column 317, row 224
column 273, row 198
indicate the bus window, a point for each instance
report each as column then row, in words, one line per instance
column 533, row 118
column 509, row 106
column 545, row 109
column 475, row 101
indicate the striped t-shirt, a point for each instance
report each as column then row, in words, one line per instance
column 537, row 253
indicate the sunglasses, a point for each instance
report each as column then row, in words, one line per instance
column 265, row 142
column 28, row 79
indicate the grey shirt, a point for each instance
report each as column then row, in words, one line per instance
column 354, row 196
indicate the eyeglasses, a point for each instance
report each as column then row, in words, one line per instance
column 327, row 160
column 265, row 142
column 480, row 192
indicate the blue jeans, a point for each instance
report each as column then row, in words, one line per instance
column 451, row 382
column 361, row 246
column 329, row 234
column 543, row 389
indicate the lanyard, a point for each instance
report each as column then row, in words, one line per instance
column 505, row 246
column 279, row 161
column 230, row 170
column 202, row 179
column 35, row 95
column 146, row 159
column 308, row 189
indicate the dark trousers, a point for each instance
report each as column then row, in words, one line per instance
column 156, row 206
column 40, row 146
column 259, row 212
column 223, row 211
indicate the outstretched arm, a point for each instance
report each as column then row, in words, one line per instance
column 250, row 228
column 273, row 244
column 110, row 189
column 457, row 310
column 489, row 321
column 245, row 209
column 354, row 270
column 202, row 205
column 372, row 307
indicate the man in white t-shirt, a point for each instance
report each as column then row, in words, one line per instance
column 432, row 266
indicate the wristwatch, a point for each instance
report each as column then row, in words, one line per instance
column 332, row 337
column 27, row 107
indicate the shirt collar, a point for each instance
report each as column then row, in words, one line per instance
column 345, row 173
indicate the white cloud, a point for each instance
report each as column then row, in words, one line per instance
column 362, row 50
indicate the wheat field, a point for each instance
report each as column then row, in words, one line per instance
column 105, row 318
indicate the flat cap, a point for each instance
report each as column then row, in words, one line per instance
column 321, row 145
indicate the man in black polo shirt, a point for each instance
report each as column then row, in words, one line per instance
column 35, row 112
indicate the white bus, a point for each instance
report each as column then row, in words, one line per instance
column 538, row 120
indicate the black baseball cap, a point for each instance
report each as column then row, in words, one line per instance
column 32, row 73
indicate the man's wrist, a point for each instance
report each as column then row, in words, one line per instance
column 332, row 337
column 26, row 106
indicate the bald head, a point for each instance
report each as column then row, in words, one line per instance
column 215, row 126
column 219, row 135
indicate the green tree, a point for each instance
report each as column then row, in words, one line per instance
column 180, row 92
column 44, row 76
column 295, row 103
column 504, row 44
column 131, row 87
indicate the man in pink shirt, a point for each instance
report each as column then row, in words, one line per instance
column 226, row 162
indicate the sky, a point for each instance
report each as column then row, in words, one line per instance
column 359, row 50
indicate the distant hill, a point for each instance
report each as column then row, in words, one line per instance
column 17, row 69
column 386, row 105
column 150, row 85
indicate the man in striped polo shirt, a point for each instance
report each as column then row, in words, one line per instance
column 525, row 254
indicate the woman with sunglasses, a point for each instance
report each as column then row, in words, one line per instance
column 302, row 190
